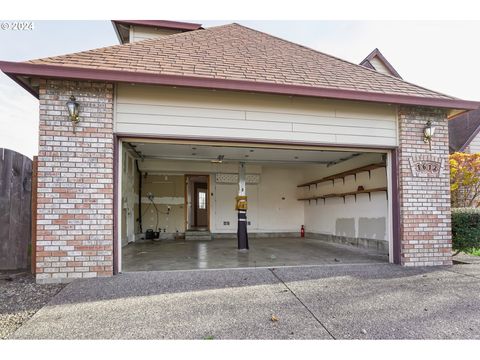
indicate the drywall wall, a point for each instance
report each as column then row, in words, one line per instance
column 272, row 200
column 362, row 216
column 272, row 203
column 168, row 192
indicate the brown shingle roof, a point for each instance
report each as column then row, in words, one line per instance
column 235, row 52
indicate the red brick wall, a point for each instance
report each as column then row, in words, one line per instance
column 424, row 200
column 75, row 183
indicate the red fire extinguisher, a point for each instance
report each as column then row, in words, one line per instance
column 302, row 232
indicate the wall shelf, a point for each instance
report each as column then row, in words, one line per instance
column 342, row 175
column 351, row 193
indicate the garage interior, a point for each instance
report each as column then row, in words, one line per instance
column 178, row 206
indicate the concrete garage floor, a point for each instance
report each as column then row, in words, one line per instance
column 368, row 301
column 223, row 253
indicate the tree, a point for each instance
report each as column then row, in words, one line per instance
column 465, row 179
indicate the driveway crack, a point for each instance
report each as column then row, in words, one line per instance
column 301, row 302
column 459, row 273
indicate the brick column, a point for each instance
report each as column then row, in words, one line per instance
column 424, row 189
column 75, row 183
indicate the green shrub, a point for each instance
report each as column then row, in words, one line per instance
column 465, row 229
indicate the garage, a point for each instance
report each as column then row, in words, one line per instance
column 143, row 147
column 178, row 205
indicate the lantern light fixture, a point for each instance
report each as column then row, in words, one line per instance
column 428, row 133
column 73, row 110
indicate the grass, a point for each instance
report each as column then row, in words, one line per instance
column 475, row 252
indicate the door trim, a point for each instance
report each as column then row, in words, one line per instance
column 185, row 201
column 196, row 187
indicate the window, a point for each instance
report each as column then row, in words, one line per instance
column 202, row 200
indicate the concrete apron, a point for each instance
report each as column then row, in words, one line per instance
column 223, row 254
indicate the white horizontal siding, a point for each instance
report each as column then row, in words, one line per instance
column 380, row 66
column 475, row 144
column 160, row 111
column 139, row 33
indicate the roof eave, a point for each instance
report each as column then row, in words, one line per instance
column 119, row 37
column 24, row 84
column 66, row 72
column 164, row 24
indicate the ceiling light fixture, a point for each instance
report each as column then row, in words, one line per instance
column 218, row 160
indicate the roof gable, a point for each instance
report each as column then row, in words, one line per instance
column 122, row 27
column 376, row 61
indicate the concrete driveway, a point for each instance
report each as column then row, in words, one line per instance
column 368, row 301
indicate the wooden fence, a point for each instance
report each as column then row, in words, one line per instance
column 15, row 210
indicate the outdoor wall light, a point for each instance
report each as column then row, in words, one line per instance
column 428, row 133
column 73, row 109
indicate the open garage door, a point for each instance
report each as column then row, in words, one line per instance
column 178, row 206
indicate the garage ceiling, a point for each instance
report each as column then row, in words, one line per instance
column 235, row 154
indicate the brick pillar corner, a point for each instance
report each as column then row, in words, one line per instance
column 75, row 182
column 424, row 189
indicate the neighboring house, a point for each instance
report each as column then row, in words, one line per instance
column 463, row 132
column 167, row 118
column 463, row 129
column 376, row 61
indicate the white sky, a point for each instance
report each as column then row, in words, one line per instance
column 440, row 55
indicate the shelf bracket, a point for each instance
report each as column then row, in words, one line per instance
column 370, row 196
column 369, row 174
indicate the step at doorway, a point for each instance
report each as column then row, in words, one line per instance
column 198, row 235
